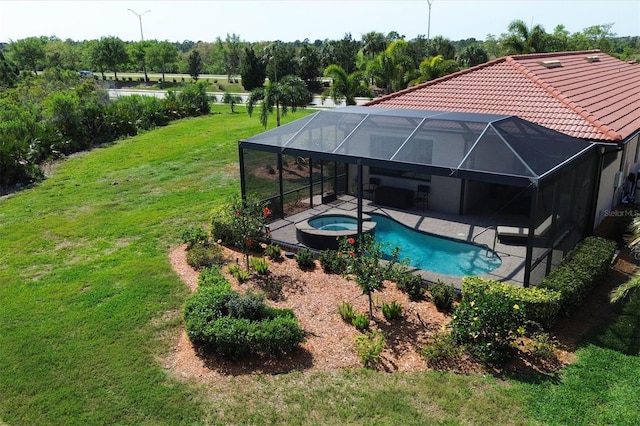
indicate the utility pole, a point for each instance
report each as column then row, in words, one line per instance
column 429, row 2
column 139, row 15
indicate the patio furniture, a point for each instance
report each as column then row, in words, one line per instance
column 370, row 188
column 422, row 196
column 391, row 196
column 521, row 232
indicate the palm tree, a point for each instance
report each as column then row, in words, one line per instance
column 434, row 67
column 288, row 93
column 521, row 39
column 633, row 284
column 345, row 86
column 391, row 67
column 231, row 99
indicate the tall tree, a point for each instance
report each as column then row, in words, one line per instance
column 28, row 53
column 252, row 70
column 280, row 60
column 162, row 56
column 8, row 73
column 441, row 46
column 392, row 68
column 138, row 54
column 345, row 86
column 373, row 43
column 288, row 93
column 341, row 52
column 195, row 64
column 309, row 66
column 521, row 39
column 435, row 67
column 232, row 55
column 113, row 52
column 473, row 55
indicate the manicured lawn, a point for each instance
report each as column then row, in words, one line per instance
column 89, row 307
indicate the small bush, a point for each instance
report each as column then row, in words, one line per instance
column 223, row 231
column 260, row 265
column 441, row 351
column 346, row 311
column 392, row 311
column 242, row 275
column 369, row 347
column 332, row 262
column 487, row 323
column 205, row 256
column 361, row 322
column 194, row 236
column 412, row 285
column 443, row 295
column 212, row 277
column 304, row 258
column 542, row 346
column 273, row 252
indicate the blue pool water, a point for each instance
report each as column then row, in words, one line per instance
column 433, row 253
column 334, row 223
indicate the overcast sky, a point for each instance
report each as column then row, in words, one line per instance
column 290, row 20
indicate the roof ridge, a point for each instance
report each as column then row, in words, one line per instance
column 554, row 54
column 434, row 81
column 555, row 93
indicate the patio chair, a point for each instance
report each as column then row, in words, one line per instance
column 370, row 188
column 422, row 196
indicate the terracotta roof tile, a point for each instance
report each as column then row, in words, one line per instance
column 585, row 98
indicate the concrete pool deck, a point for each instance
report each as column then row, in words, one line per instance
column 467, row 228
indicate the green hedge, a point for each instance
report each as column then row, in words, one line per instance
column 234, row 325
column 540, row 305
column 580, row 271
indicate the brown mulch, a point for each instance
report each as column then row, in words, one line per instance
column 314, row 297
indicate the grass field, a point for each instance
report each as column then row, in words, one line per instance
column 89, row 307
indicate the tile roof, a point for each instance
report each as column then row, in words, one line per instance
column 591, row 95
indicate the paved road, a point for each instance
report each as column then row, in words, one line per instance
column 316, row 102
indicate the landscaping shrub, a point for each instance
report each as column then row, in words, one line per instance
column 412, row 285
column 332, row 262
column 587, row 264
column 540, row 305
column 194, row 236
column 392, row 311
column 222, row 229
column 233, row 325
column 273, row 252
column 542, row 346
column 272, row 287
column 369, row 347
column 260, row 265
column 305, row 260
column 205, row 256
column 361, row 322
column 346, row 311
column 212, row 276
column 441, row 351
column 443, row 295
column 487, row 323
column 242, row 275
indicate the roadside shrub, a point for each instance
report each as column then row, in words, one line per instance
column 273, row 252
column 194, row 236
column 234, row 326
column 412, row 285
column 369, row 347
column 441, row 351
column 346, row 311
column 361, row 322
column 304, row 258
column 540, row 305
column 487, row 323
column 443, row 295
column 205, row 256
column 587, row 264
column 332, row 262
column 260, row 265
column 392, row 311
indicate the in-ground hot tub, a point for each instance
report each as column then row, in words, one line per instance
column 323, row 231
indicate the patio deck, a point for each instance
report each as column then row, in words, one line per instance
column 465, row 228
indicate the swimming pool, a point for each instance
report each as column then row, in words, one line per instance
column 432, row 253
column 334, row 223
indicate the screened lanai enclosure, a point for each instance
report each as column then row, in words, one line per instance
column 537, row 186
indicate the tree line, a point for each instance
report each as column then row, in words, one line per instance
column 48, row 110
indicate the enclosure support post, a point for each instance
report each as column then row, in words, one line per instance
column 310, row 182
column 321, row 181
column 243, row 182
column 281, row 185
column 359, row 178
column 530, row 238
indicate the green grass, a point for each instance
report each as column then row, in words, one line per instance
column 89, row 308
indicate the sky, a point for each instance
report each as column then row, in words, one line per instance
column 290, row 20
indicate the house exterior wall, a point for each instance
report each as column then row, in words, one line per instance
column 445, row 194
